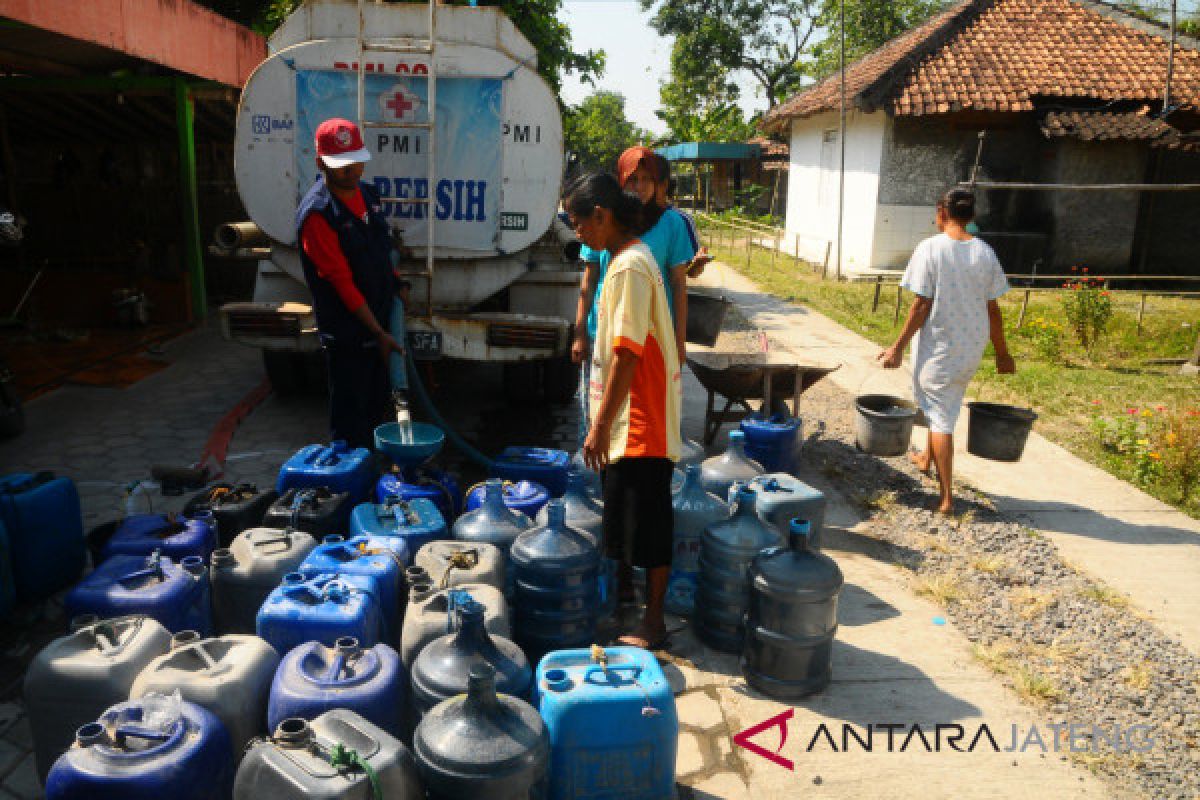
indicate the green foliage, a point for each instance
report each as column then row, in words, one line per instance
column 698, row 102
column 597, row 130
column 869, row 25
column 1089, row 309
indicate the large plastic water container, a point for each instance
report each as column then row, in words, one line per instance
column 148, row 749
column 382, row 558
column 556, row 569
column 45, row 532
column 440, row 671
column 245, row 574
column 586, row 515
column 541, row 465
column 171, row 535
column 482, row 745
column 177, row 595
column 236, row 507
column 492, row 521
column 720, row 472
column 526, row 497
column 782, row 498
column 416, row 521
column 794, row 590
column 337, row 756
column 723, row 589
column 591, row 478
column 320, row 608
column 8, row 584
column 336, row 466
column 453, row 563
column 432, row 613
column 612, row 723
column 773, row 441
column 694, row 510
column 228, row 675
column 317, row 511
column 75, row 678
column 423, row 483
column 314, row 678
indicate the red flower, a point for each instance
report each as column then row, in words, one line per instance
column 1074, row 269
column 1085, row 270
column 1131, row 410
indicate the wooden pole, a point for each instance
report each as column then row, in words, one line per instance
column 1141, row 313
column 878, row 289
column 1024, row 308
column 896, row 316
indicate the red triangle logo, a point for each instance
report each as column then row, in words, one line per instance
column 779, row 721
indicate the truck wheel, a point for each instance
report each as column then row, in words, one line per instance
column 285, row 370
column 560, row 379
column 521, row 381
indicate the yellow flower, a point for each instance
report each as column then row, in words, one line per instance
column 1154, row 454
column 1143, row 442
column 1147, row 413
column 1172, row 438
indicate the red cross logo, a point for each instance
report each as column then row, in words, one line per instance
column 400, row 102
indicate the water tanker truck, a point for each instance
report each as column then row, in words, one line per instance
column 466, row 146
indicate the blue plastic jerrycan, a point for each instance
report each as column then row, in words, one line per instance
column 382, row 558
column 173, row 536
column 177, row 595
column 773, row 441
column 440, row 488
column 782, row 498
column 322, row 608
column 540, row 465
column 417, row 522
column 337, row 466
column 45, row 531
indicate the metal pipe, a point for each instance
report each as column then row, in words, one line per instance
column 1088, row 187
column 1170, row 60
column 842, row 130
column 232, row 235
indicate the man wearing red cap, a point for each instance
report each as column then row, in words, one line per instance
column 346, row 249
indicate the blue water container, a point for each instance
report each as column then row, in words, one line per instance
column 417, row 521
column 8, row 588
column 773, row 442
column 782, row 498
column 337, row 466
column 45, row 532
column 441, row 488
column 323, row 608
column 612, row 723
column 382, row 558
column 314, row 678
column 172, row 536
column 540, row 465
column 526, row 497
column 175, row 594
column 148, row 749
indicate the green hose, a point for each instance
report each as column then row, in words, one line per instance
column 344, row 757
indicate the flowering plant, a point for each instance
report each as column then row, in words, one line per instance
column 1088, row 307
column 1046, row 337
column 1160, row 446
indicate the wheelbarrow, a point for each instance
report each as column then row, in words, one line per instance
column 745, row 378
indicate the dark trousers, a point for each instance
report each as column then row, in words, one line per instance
column 359, row 396
column 639, row 523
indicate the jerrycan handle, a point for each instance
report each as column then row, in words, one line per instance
column 455, row 599
column 331, row 455
column 124, row 732
column 773, row 485
column 347, row 648
column 299, row 500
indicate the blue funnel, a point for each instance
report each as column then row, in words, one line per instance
column 426, row 443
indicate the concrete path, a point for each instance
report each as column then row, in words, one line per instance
column 1106, row 527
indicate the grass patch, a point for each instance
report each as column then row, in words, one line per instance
column 883, row 501
column 1035, row 686
column 999, row 656
column 936, row 544
column 1030, row 603
column 1068, row 388
column 942, row 588
column 1003, row 657
column 1103, row 594
column 1139, row 676
column 1108, row 763
column 990, row 565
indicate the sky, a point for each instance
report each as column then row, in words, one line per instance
column 638, row 58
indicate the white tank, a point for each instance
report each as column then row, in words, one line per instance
column 499, row 138
column 77, row 677
column 451, row 563
column 428, row 617
column 245, row 574
column 229, row 675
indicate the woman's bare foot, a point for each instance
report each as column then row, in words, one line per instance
column 645, row 637
column 923, row 461
column 944, row 507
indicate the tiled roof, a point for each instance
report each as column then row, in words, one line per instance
column 1102, row 125
column 1005, row 55
column 770, row 149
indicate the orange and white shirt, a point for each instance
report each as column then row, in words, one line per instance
column 633, row 315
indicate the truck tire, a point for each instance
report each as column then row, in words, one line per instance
column 522, row 381
column 560, row 380
column 285, row 370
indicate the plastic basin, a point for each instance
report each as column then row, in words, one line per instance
column 426, row 443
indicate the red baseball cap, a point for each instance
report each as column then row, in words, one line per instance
column 339, row 143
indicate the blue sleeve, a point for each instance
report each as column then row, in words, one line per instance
column 680, row 247
column 691, row 230
column 589, row 255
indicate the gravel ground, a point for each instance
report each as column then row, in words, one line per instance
column 1069, row 646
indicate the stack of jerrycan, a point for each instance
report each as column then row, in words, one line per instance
column 495, row 523
column 75, row 678
column 337, row 755
column 525, row 497
column 773, row 441
column 453, row 563
column 482, row 745
column 540, row 465
column 236, row 506
column 782, row 498
column 177, row 595
column 422, row 483
column 614, row 701
column 318, row 511
column 320, row 608
column 314, row 678
column 336, row 467
column 433, row 613
column 175, row 537
column 721, row 472
column 380, row 558
column 586, row 515
column 792, row 619
column 416, row 522
column 440, row 671
column 245, row 574
column 148, row 749
column 42, row 517
column 722, row 591
column 694, row 510
column 555, row 574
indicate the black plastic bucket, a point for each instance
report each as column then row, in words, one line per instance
column 998, row 432
column 884, row 424
column 706, row 314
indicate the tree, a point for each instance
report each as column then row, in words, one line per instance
column 699, row 104
column 870, row 24
column 597, row 130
